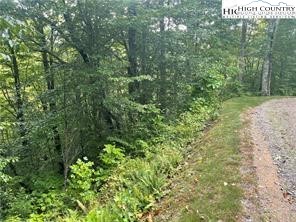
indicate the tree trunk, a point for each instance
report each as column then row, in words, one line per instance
column 132, row 51
column 146, row 91
column 162, row 65
column 18, row 95
column 50, row 87
column 267, row 64
column 242, row 51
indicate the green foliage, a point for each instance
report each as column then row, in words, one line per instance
column 211, row 82
column 111, row 155
column 82, row 179
column 101, row 215
column 13, row 219
column 137, row 183
column 51, row 204
column 20, row 204
column 4, row 178
column 128, row 84
column 167, row 160
column 193, row 121
column 43, row 183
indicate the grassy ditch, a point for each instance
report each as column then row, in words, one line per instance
column 207, row 188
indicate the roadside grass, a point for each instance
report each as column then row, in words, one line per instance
column 208, row 188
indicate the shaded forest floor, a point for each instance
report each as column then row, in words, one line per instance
column 218, row 174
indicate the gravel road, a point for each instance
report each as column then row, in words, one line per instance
column 277, row 120
column 273, row 133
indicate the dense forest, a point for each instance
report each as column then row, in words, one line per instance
column 99, row 97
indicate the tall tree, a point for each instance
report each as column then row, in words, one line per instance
column 132, row 48
column 242, row 58
column 162, row 64
column 267, row 64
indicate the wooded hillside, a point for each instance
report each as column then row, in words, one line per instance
column 99, row 97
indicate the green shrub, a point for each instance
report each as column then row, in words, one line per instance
column 13, row 219
column 101, row 215
column 166, row 161
column 82, row 180
column 21, row 204
column 111, row 155
column 70, row 216
column 52, row 201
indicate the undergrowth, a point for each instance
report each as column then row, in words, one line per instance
column 123, row 187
